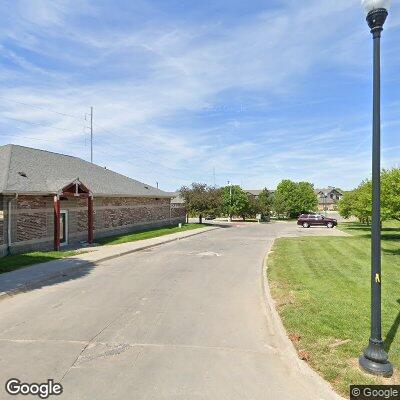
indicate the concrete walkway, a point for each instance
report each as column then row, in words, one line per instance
column 37, row 275
column 186, row 320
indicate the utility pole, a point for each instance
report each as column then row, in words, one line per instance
column 214, row 175
column 91, row 135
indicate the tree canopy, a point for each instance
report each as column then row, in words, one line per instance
column 235, row 201
column 358, row 202
column 292, row 199
column 201, row 199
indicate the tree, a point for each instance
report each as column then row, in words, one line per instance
column 285, row 197
column 201, row 199
column 234, row 201
column 346, row 204
column 390, row 197
column 292, row 199
column 306, row 200
column 358, row 203
column 253, row 207
column 266, row 201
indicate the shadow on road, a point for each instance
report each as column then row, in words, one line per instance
column 45, row 274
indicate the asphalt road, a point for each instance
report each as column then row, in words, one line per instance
column 186, row 320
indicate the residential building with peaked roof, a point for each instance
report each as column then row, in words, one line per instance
column 49, row 200
column 328, row 198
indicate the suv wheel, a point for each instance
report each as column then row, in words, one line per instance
column 306, row 225
column 329, row 225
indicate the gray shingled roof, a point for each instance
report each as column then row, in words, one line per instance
column 255, row 192
column 48, row 173
column 177, row 198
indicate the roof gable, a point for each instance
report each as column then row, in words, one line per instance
column 37, row 171
column 5, row 154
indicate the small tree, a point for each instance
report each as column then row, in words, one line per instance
column 201, row 199
column 285, row 198
column 292, row 199
column 347, row 204
column 234, row 201
column 266, row 202
column 390, row 197
column 306, row 200
column 358, row 203
column 253, row 207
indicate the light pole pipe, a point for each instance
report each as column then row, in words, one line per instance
column 375, row 359
column 376, row 195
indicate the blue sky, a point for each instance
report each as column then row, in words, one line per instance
column 258, row 91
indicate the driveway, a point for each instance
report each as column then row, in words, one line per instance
column 186, row 320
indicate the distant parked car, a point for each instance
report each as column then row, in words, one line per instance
column 307, row 220
column 210, row 217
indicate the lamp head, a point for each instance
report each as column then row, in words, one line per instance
column 377, row 12
column 371, row 5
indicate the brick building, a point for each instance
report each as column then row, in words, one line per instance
column 50, row 200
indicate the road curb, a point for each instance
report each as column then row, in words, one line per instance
column 31, row 285
column 285, row 343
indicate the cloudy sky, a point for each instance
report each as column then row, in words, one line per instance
column 256, row 90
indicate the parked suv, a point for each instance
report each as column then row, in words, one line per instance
column 307, row 220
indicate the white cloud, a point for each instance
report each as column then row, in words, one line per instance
column 147, row 81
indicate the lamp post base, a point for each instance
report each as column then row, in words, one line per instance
column 375, row 360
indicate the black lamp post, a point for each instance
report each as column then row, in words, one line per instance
column 375, row 360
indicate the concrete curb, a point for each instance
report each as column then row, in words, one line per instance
column 286, row 346
column 30, row 285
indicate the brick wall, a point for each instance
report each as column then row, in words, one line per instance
column 122, row 211
column 81, row 215
column 178, row 211
column 2, row 224
column 2, row 241
column 31, row 218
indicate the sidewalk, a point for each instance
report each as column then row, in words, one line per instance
column 35, row 276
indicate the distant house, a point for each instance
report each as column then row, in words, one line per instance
column 328, row 198
column 255, row 192
column 48, row 200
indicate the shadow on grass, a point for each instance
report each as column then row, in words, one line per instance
column 393, row 252
column 14, row 262
column 392, row 332
column 386, row 233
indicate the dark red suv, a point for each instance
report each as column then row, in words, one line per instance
column 307, row 220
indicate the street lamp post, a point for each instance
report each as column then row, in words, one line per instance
column 375, row 359
column 230, row 202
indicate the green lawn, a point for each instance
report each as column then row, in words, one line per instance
column 151, row 233
column 11, row 263
column 322, row 289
